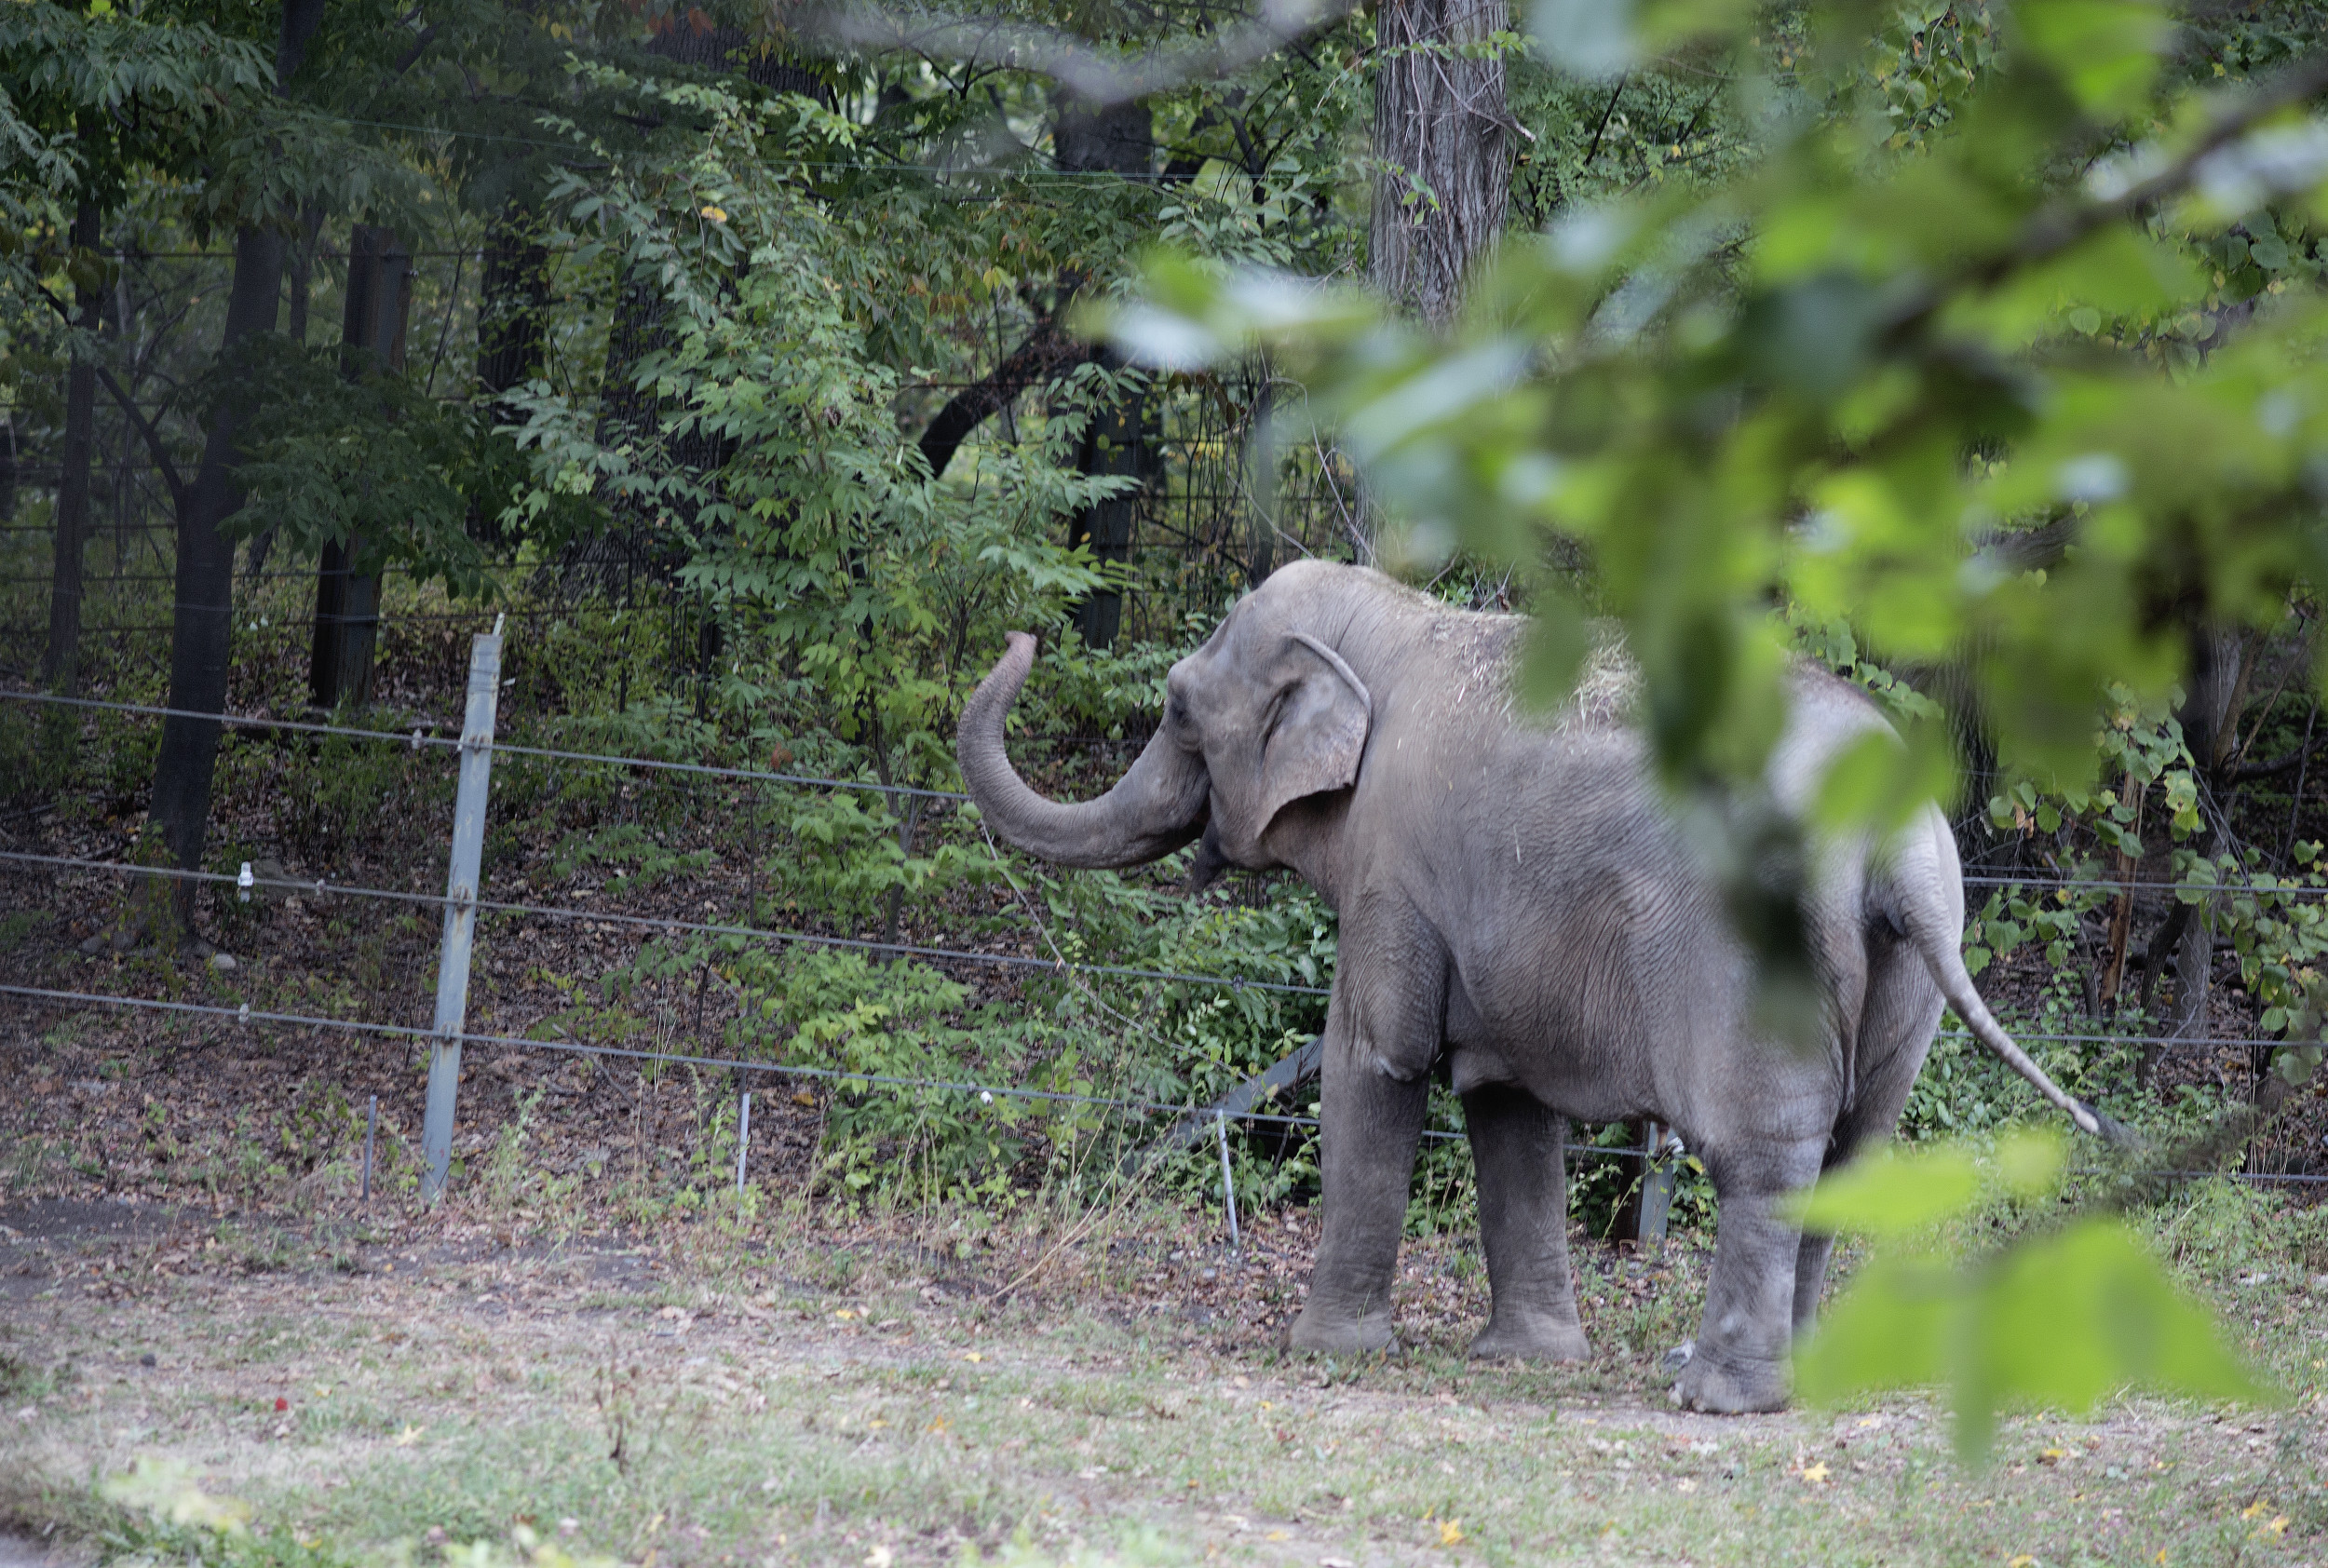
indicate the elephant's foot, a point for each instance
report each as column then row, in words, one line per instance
column 1722, row 1389
column 1510, row 1337
column 1342, row 1333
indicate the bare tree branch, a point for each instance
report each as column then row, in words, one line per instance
column 1047, row 354
column 154, row 443
column 412, row 56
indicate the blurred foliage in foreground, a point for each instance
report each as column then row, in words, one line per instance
column 2069, row 1315
column 1957, row 365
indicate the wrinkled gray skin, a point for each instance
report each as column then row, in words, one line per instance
column 1513, row 898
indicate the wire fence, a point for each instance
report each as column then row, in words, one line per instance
column 423, row 736
column 431, row 733
column 695, row 927
column 420, row 738
column 322, row 888
column 846, row 1078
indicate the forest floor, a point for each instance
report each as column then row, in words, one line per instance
column 393, row 1385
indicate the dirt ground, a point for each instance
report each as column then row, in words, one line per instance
column 391, row 1386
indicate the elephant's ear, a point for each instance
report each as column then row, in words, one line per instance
column 1319, row 729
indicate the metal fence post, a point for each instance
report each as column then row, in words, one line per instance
column 743, row 1141
column 1657, row 1184
column 460, row 908
column 1228, row 1184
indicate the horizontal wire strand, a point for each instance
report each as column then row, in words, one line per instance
column 714, row 770
column 323, row 889
column 418, row 740
column 246, row 1014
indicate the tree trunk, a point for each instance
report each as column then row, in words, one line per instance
column 206, row 568
column 372, row 339
column 2121, row 929
column 60, row 663
column 1047, row 354
column 8, row 468
column 731, row 48
column 1118, row 443
column 202, row 620
column 2209, row 716
column 627, row 420
column 512, row 328
column 301, row 265
column 640, row 542
column 1115, row 139
column 1443, row 169
column 1443, row 148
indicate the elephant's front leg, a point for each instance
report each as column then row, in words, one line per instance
column 1373, row 1120
column 1523, row 1220
column 1741, row 1359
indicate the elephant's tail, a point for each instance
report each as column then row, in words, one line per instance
column 1917, row 883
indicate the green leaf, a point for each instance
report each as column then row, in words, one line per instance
column 1889, row 1329
column 2068, row 1318
column 1877, row 785
column 2065, row 1318
column 2031, row 1159
column 1891, row 1193
column 2105, row 51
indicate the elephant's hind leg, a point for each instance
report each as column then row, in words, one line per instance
column 1902, row 1011
column 1523, row 1220
column 1740, row 1361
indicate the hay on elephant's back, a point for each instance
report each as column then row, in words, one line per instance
column 1608, row 688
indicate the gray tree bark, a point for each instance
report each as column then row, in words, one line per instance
column 2215, row 686
column 1443, row 150
column 60, row 662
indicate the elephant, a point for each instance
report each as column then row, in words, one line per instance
column 1518, row 908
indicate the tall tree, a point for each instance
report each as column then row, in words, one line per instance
column 633, row 417
column 376, row 311
column 202, row 619
column 1443, row 149
column 90, row 100
column 59, row 664
column 512, row 333
column 1114, row 139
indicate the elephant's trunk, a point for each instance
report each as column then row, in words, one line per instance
column 1153, row 809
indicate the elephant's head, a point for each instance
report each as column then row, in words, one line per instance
column 1265, row 714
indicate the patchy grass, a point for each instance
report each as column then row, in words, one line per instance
column 712, row 1395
